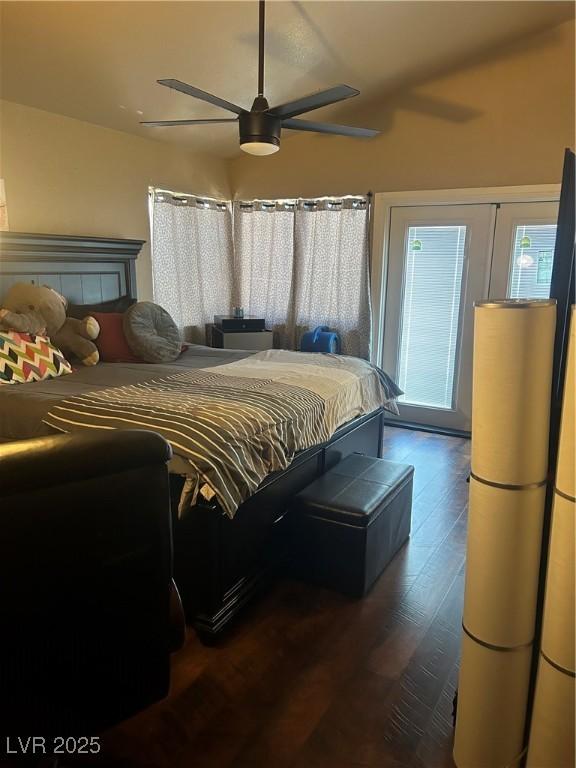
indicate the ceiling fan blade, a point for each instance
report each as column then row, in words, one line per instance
column 314, row 101
column 339, row 130
column 152, row 123
column 190, row 90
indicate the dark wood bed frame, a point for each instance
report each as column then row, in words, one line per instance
column 240, row 556
column 220, row 564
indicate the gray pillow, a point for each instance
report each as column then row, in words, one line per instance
column 151, row 333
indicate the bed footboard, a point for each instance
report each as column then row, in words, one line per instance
column 220, row 564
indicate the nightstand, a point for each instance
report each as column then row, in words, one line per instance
column 252, row 340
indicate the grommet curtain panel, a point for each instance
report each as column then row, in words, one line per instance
column 263, row 266
column 192, row 260
column 306, row 262
column 331, row 272
column 296, row 263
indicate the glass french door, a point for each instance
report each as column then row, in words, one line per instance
column 439, row 262
column 524, row 241
column 442, row 259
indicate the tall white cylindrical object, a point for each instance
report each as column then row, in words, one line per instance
column 492, row 689
column 552, row 726
column 513, row 351
column 504, row 537
column 565, row 482
column 558, row 623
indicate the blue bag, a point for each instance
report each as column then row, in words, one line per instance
column 321, row 339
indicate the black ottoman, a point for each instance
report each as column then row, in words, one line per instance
column 349, row 523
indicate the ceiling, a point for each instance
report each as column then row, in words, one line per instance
column 98, row 61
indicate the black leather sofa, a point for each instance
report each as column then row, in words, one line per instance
column 88, row 611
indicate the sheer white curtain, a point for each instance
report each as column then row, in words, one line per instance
column 331, row 283
column 263, row 263
column 296, row 263
column 303, row 263
column 192, row 260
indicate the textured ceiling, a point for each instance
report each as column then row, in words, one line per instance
column 98, row 61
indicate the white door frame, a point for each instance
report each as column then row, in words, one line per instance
column 478, row 221
column 385, row 201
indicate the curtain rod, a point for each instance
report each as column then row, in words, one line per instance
column 294, row 199
column 159, row 190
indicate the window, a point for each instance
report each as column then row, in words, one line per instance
column 531, row 261
column 433, row 269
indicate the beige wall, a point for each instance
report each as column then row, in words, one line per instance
column 524, row 96
column 65, row 176
column 70, row 177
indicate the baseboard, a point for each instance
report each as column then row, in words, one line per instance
column 425, row 428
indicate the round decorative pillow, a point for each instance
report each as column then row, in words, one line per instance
column 151, row 333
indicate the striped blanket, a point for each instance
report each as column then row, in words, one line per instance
column 236, row 423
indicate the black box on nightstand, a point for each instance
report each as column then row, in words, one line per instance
column 230, row 324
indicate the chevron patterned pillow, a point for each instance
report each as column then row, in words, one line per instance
column 25, row 357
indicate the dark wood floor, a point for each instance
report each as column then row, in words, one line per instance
column 310, row 679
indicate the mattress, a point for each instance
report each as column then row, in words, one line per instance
column 238, row 422
column 24, row 406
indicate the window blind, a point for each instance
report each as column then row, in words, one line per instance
column 531, row 261
column 433, row 270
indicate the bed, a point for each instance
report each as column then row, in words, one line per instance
column 219, row 562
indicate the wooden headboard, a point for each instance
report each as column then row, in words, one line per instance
column 86, row 270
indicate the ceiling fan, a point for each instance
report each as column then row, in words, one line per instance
column 261, row 126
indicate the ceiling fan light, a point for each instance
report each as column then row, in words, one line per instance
column 259, row 133
column 259, row 148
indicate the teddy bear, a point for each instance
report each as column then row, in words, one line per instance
column 40, row 310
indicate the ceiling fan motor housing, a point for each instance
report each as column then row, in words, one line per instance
column 259, row 127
